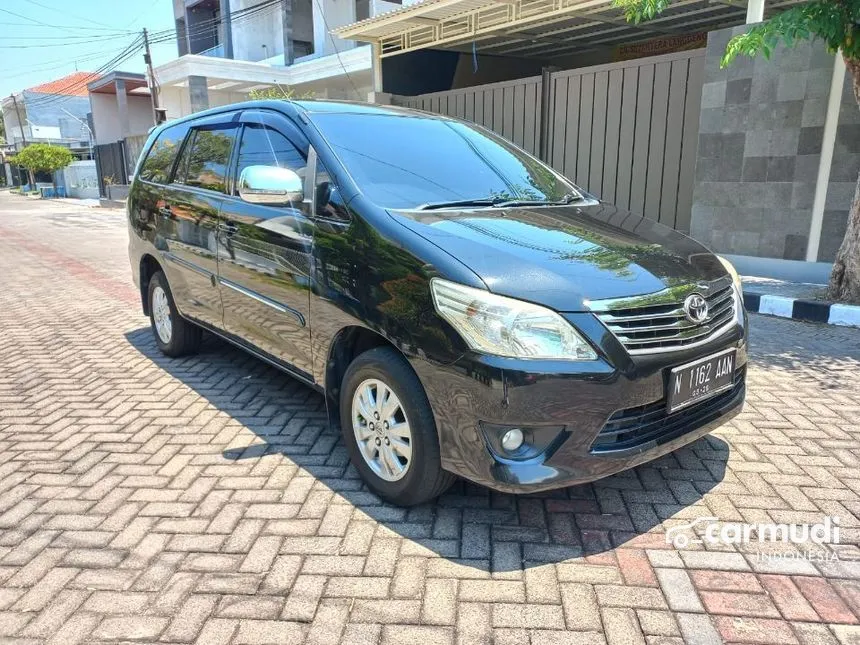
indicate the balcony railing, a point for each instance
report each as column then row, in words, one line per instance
column 215, row 52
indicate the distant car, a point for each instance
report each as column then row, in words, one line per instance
column 464, row 308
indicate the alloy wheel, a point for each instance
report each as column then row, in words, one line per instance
column 381, row 429
column 161, row 314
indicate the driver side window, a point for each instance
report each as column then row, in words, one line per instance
column 263, row 146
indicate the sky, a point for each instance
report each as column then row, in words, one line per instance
column 43, row 40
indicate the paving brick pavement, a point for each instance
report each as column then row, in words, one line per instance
column 205, row 500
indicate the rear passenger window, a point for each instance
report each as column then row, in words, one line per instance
column 156, row 167
column 209, row 159
column 262, row 146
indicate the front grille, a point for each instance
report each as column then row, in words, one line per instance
column 636, row 426
column 652, row 328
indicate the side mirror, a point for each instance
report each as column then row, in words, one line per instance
column 270, row 185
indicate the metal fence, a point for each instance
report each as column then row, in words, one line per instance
column 626, row 132
column 111, row 164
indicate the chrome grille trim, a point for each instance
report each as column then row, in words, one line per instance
column 656, row 323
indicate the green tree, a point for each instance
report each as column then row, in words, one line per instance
column 278, row 92
column 43, row 157
column 837, row 24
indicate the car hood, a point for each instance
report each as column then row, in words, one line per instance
column 562, row 257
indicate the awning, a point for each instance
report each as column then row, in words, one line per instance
column 535, row 28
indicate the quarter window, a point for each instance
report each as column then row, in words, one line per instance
column 182, row 162
column 159, row 161
column 209, row 158
column 329, row 203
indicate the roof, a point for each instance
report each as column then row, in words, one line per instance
column 107, row 83
column 74, row 84
column 536, row 28
column 314, row 106
column 292, row 107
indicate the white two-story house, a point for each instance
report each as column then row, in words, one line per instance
column 227, row 48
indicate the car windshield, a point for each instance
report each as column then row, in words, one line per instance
column 414, row 161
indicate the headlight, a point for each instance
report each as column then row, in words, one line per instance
column 732, row 272
column 507, row 327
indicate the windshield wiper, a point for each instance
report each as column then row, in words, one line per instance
column 500, row 202
column 460, row 203
column 567, row 199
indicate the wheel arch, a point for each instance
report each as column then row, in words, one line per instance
column 346, row 345
column 149, row 266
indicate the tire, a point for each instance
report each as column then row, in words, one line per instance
column 180, row 337
column 423, row 478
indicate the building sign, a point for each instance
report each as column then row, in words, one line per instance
column 664, row 45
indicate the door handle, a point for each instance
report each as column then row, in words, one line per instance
column 230, row 228
column 165, row 211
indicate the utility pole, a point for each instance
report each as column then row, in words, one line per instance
column 18, row 118
column 31, row 177
column 147, row 58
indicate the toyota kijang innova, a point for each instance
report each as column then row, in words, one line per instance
column 464, row 308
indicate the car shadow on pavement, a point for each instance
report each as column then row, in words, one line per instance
column 469, row 525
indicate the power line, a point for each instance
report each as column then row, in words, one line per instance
column 42, row 24
column 63, row 44
column 38, row 23
column 336, row 52
column 164, row 36
column 83, row 38
column 140, row 15
column 208, row 26
column 66, row 12
column 49, row 65
column 74, row 86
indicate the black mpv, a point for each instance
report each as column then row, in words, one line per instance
column 464, row 308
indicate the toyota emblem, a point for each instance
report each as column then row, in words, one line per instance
column 696, row 308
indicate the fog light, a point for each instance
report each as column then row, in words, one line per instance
column 512, row 440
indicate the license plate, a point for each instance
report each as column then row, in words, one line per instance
column 700, row 379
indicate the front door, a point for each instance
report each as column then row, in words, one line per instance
column 188, row 221
column 264, row 252
column 188, row 210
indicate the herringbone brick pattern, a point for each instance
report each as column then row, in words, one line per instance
column 205, row 499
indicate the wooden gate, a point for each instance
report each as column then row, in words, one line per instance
column 626, row 132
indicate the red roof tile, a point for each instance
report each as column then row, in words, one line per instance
column 72, row 85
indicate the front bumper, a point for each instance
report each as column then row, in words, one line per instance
column 574, row 400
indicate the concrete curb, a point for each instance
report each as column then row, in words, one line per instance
column 799, row 309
